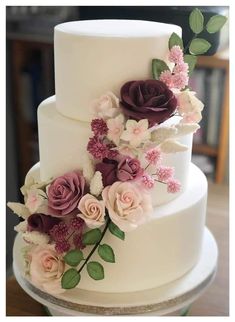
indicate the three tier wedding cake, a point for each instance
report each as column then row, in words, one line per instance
column 115, row 204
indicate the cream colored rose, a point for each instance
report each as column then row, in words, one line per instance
column 189, row 106
column 128, row 206
column 92, row 211
column 46, row 268
column 107, row 106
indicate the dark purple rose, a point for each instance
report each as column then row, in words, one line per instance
column 42, row 223
column 129, row 169
column 65, row 192
column 108, row 169
column 150, row 99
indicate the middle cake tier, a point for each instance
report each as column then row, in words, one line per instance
column 63, row 143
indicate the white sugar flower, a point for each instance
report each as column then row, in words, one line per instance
column 172, row 146
column 115, row 128
column 189, row 106
column 21, row 227
column 96, row 184
column 88, row 168
column 36, row 198
column 136, row 132
column 36, row 238
column 128, row 150
column 107, row 106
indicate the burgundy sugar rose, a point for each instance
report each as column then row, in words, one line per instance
column 42, row 223
column 108, row 169
column 150, row 99
column 129, row 169
column 122, row 169
column 65, row 192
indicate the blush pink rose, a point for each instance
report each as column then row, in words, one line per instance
column 65, row 192
column 127, row 204
column 46, row 268
column 92, row 211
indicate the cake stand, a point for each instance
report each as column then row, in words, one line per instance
column 175, row 296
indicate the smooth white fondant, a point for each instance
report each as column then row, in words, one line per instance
column 63, row 141
column 167, row 298
column 159, row 251
column 97, row 56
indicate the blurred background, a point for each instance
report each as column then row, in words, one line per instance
column 30, row 79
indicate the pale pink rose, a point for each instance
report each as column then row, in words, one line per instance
column 92, row 211
column 136, row 132
column 188, row 103
column 115, row 128
column 128, row 206
column 36, row 198
column 46, row 268
column 105, row 107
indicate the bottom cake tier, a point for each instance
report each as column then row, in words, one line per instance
column 160, row 251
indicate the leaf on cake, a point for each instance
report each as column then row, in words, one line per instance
column 162, row 133
column 172, row 146
column 183, row 129
column 21, row 227
column 96, row 184
column 95, row 270
column 19, row 209
column 88, row 168
column 106, row 253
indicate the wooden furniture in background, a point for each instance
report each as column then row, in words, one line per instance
column 221, row 151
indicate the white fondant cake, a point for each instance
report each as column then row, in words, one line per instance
column 136, row 136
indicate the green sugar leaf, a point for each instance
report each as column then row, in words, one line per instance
column 191, row 61
column 70, row 279
column 106, row 253
column 91, row 237
column 95, row 270
column 116, row 231
column 196, row 21
column 199, row 46
column 73, row 257
column 215, row 23
column 158, row 66
column 175, row 40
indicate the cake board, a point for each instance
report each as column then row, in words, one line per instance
column 175, row 296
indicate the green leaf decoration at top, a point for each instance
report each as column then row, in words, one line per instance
column 158, row 66
column 70, row 279
column 215, row 23
column 116, row 231
column 73, row 257
column 175, row 40
column 91, row 237
column 191, row 61
column 106, row 253
column 199, row 46
column 95, row 270
column 196, row 21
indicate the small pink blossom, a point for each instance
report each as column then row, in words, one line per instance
column 99, row 127
column 136, row 132
column 147, row 181
column 176, row 55
column 167, row 78
column 164, row 173
column 97, row 148
column 181, row 67
column 115, row 128
column 173, row 186
column 180, row 80
column 153, row 156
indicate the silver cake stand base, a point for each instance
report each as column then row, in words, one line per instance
column 176, row 296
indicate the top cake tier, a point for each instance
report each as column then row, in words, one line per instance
column 96, row 56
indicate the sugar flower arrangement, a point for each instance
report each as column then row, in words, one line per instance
column 124, row 161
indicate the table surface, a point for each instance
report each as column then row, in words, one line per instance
column 214, row 302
